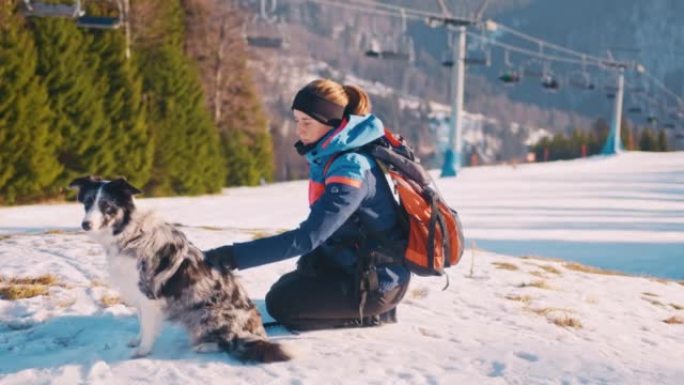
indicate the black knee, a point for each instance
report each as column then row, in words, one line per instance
column 274, row 304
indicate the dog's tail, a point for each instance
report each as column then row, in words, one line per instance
column 256, row 350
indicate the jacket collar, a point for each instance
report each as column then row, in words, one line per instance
column 355, row 131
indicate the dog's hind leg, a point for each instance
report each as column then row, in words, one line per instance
column 151, row 321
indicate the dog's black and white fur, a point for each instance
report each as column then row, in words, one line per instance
column 157, row 270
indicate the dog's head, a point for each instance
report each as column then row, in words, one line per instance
column 108, row 204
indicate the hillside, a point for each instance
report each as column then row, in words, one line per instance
column 330, row 41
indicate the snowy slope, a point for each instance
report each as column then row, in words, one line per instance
column 503, row 320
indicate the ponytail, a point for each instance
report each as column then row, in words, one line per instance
column 359, row 102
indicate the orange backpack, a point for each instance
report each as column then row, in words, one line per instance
column 435, row 234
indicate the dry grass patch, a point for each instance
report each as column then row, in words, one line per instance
column 211, row 228
column 540, row 274
column 550, row 269
column 18, row 288
column 258, row 234
column 674, row 320
column 519, row 298
column 567, row 322
column 110, row 300
column 54, row 231
column 559, row 316
column 419, row 293
column 505, row 266
column 590, row 269
column 541, row 284
column 46, row 279
column 677, row 307
column 653, row 301
column 649, row 294
column 16, row 292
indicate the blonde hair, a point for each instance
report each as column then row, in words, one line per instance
column 353, row 98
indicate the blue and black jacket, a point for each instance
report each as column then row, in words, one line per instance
column 352, row 199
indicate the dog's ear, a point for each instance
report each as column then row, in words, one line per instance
column 83, row 184
column 84, row 181
column 121, row 184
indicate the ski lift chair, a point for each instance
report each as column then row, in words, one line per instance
column 510, row 77
column 264, row 31
column 395, row 55
column 550, row 83
column 104, row 21
column 652, row 119
column 400, row 48
column 669, row 126
column 41, row 9
column 373, row 49
column 99, row 22
column 447, row 59
column 272, row 42
column 611, row 91
column 448, row 54
column 635, row 110
column 582, row 81
column 480, row 60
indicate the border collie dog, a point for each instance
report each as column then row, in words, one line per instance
column 157, row 270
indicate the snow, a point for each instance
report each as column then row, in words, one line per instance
column 494, row 324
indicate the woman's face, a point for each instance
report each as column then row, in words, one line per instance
column 309, row 129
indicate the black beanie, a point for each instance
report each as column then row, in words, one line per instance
column 318, row 108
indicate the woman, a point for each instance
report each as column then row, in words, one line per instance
column 351, row 271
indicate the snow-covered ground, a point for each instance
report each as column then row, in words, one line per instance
column 502, row 320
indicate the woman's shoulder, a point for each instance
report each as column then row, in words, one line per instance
column 355, row 160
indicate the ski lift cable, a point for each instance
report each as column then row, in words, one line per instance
column 556, row 47
column 409, row 13
column 395, row 11
column 362, row 8
column 663, row 87
column 535, row 54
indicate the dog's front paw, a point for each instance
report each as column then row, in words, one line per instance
column 134, row 343
column 206, row 347
column 139, row 353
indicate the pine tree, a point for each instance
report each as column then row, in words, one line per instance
column 214, row 40
column 129, row 140
column 662, row 141
column 626, row 135
column 28, row 162
column 648, row 140
column 187, row 155
column 263, row 154
column 76, row 96
column 241, row 164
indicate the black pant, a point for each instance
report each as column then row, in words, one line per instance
column 326, row 300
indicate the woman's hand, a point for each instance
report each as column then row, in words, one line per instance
column 222, row 258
